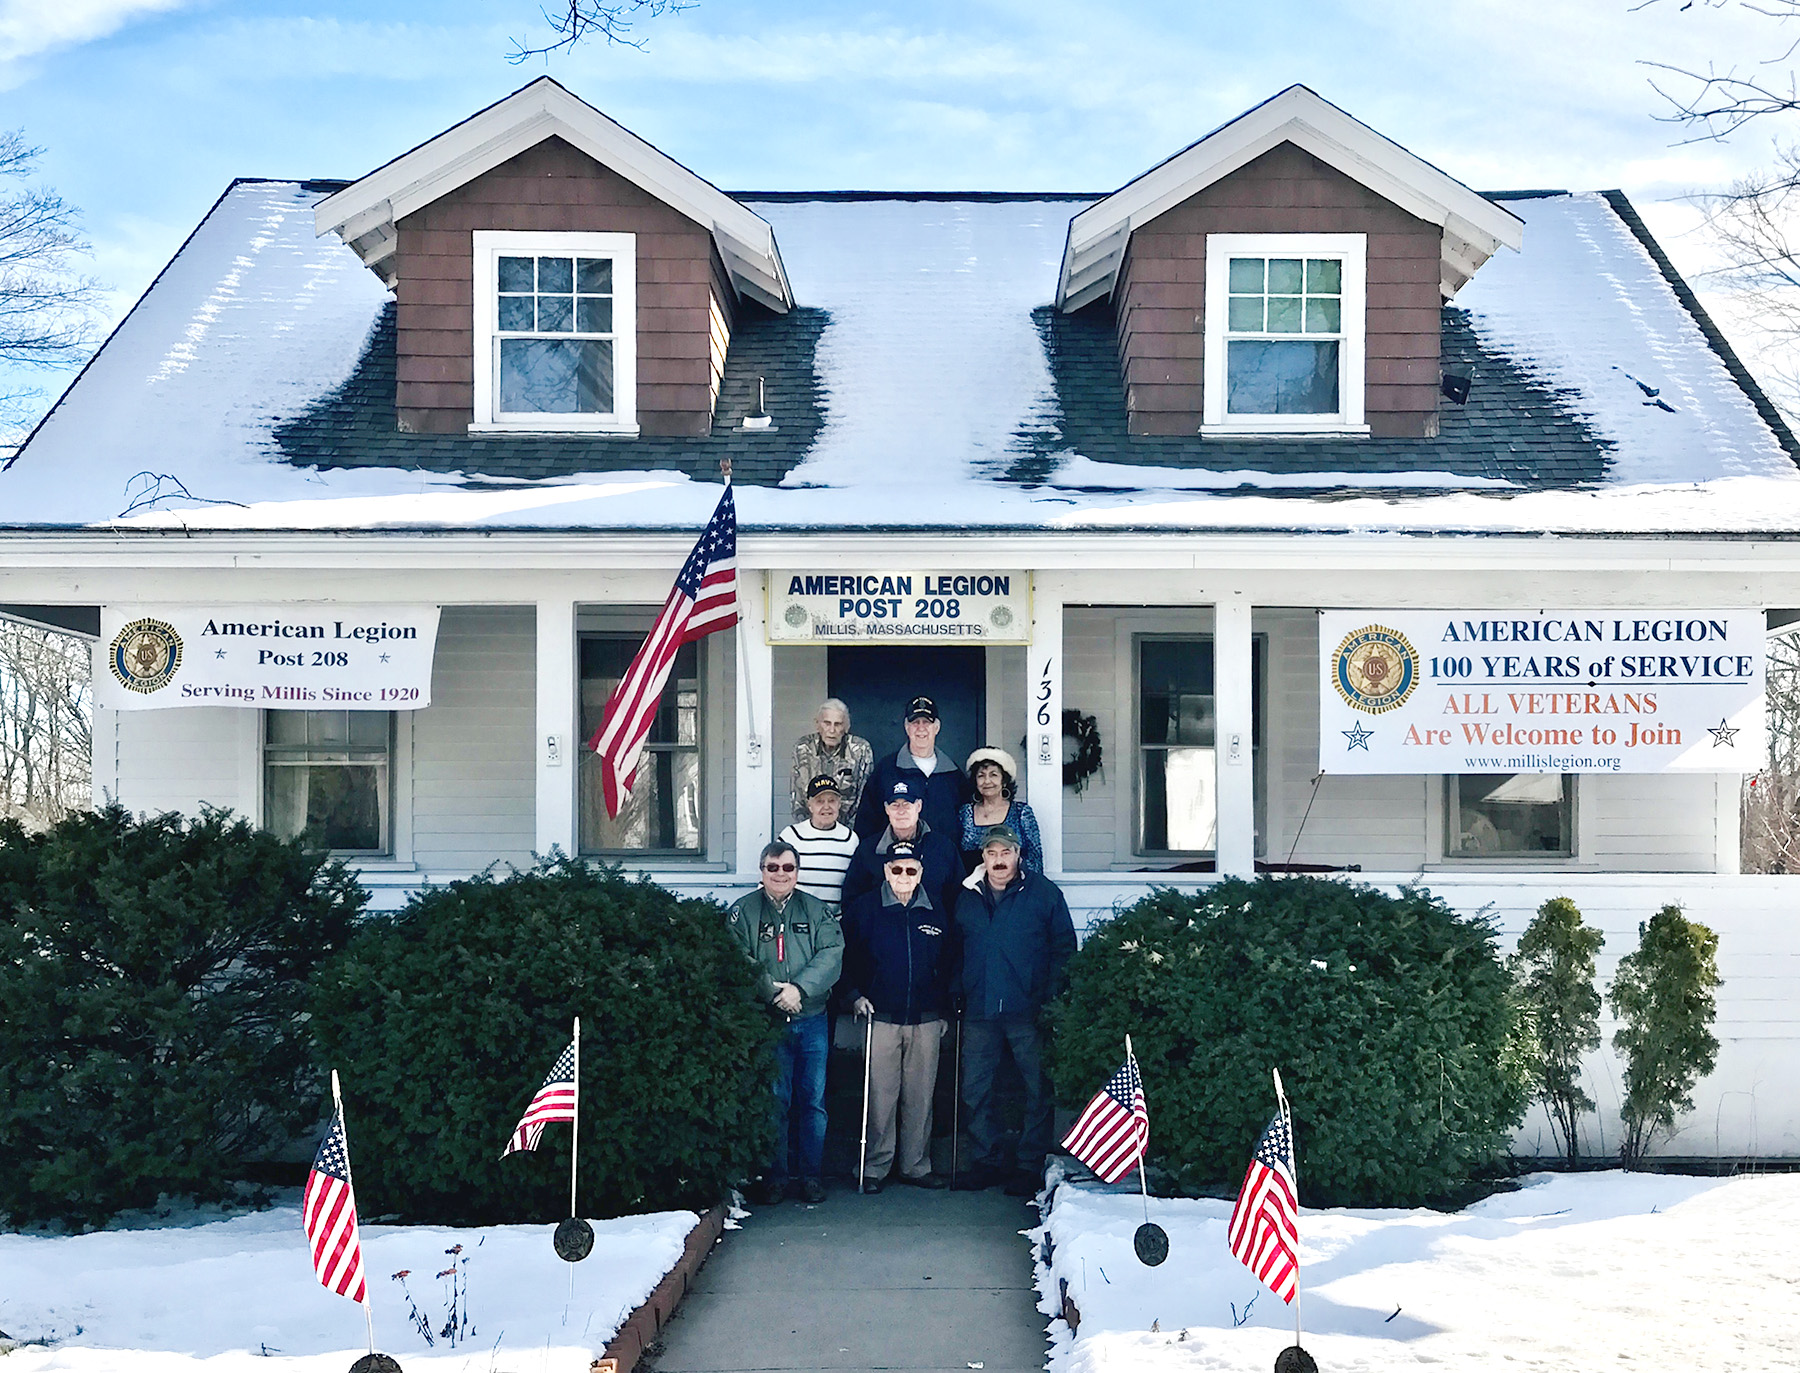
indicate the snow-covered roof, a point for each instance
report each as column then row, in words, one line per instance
column 929, row 383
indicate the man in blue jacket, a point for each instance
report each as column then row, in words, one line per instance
column 938, row 782
column 898, row 959
column 938, row 853
column 1017, row 938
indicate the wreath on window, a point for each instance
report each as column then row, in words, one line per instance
column 1081, row 749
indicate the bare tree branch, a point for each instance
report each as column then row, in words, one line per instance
column 46, row 724
column 587, row 19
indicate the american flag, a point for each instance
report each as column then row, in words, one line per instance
column 555, row 1100
column 1114, row 1129
column 328, row 1210
column 703, row 599
column 1265, row 1223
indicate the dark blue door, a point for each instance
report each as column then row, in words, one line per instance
column 876, row 682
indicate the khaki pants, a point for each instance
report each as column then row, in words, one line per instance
column 903, row 1062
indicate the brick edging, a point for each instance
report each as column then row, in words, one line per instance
column 642, row 1326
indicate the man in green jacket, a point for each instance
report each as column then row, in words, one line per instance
column 798, row 948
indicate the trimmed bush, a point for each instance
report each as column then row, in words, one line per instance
column 1664, row 993
column 1554, row 969
column 1390, row 1019
column 442, row 1021
column 153, row 974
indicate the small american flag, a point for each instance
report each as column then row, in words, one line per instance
column 328, row 1210
column 703, row 599
column 1265, row 1223
column 1114, row 1130
column 555, row 1100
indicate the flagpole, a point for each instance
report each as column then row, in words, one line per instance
column 575, row 1119
column 1143, row 1181
column 337, row 1104
column 1287, row 1119
column 742, row 657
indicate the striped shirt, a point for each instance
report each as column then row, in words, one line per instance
column 824, row 858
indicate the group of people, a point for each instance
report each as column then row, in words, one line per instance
column 910, row 893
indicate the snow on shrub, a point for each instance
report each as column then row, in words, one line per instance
column 443, row 1019
column 153, row 974
column 1390, row 1018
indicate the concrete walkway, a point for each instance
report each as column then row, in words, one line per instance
column 925, row 1282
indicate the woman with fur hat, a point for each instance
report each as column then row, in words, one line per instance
column 994, row 775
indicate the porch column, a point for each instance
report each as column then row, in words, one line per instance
column 755, row 722
column 557, row 721
column 1232, row 696
column 1043, row 698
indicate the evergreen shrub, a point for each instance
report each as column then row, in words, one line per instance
column 154, row 980
column 1554, row 969
column 443, row 1019
column 1663, row 992
column 1390, row 1018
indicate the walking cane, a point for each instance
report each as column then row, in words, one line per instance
column 956, row 1102
column 862, row 1161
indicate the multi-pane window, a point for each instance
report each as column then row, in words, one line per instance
column 326, row 774
column 1510, row 814
column 555, row 320
column 663, row 811
column 1285, row 320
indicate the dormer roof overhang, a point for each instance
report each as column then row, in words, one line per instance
column 1475, row 228
column 364, row 214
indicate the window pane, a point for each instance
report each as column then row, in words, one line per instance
column 594, row 314
column 1284, row 314
column 340, row 804
column 1247, row 274
column 1511, row 813
column 556, row 314
column 328, row 728
column 285, row 727
column 516, row 274
column 368, row 729
column 1323, row 315
column 1179, row 803
column 1285, row 276
column 516, row 314
column 1175, row 680
column 1324, row 276
column 594, row 274
column 1281, row 377
column 663, row 808
column 556, row 275
column 556, row 376
column 1246, row 314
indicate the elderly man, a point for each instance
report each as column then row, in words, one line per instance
column 825, row 844
column 938, row 854
column 1016, row 939
column 898, row 956
column 798, row 948
column 832, row 748
column 941, row 783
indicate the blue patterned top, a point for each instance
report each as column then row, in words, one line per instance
column 1025, row 825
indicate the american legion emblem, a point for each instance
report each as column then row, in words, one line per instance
column 1375, row 669
column 145, row 655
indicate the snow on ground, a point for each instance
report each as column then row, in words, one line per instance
column 1595, row 1270
column 240, row 1294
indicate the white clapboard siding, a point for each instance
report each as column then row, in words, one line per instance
column 185, row 758
column 473, row 785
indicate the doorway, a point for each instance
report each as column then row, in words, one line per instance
column 876, row 681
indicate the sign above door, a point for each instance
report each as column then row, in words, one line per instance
column 814, row 606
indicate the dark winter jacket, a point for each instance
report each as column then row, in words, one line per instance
column 938, row 855
column 1014, row 945
column 945, row 791
column 900, row 957
column 803, row 944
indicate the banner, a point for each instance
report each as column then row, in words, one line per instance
column 815, row 606
column 278, row 657
column 1453, row 691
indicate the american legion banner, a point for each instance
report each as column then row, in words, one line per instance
column 279, row 657
column 1454, row 691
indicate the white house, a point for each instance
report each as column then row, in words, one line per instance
column 1154, row 458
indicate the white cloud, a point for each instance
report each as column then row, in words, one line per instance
column 30, row 27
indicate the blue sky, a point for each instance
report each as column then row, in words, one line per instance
column 148, row 108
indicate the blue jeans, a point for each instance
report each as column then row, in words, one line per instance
column 800, row 1092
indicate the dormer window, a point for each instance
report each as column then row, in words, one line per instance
column 1284, row 347
column 555, row 335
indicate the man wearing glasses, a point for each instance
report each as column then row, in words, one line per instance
column 798, row 948
column 898, row 956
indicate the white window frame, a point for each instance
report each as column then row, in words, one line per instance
column 490, row 247
column 1349, row 249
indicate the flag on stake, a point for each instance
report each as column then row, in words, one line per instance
column 1113, row 1132
column 328, row 1210
column 1265, row 1224
column 703, row 599
column 554, row 1101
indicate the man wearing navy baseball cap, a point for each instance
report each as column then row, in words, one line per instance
column 939, row 783
column 904, row 798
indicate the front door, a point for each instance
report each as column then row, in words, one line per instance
column 876, row 682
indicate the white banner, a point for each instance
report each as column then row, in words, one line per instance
column 278, row 657
column 829, row 606
column 1453, row 691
